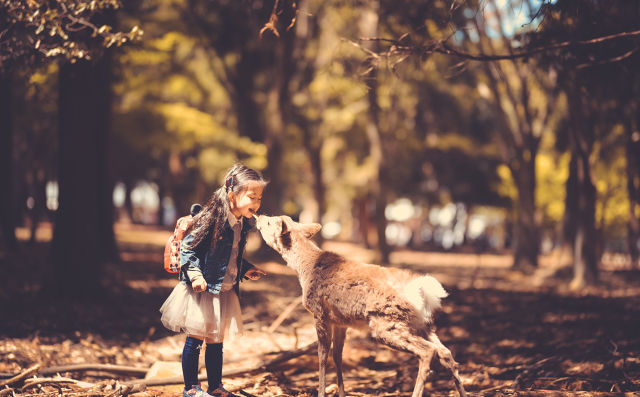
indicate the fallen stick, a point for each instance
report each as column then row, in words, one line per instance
column 494, row 388
column 280, row 358
column 578, row 393
column 119, row 369
column 285, row 313
column 7, row 391
column 533, row 367
column 56, row 381
column 25, row 374
column 122, row 369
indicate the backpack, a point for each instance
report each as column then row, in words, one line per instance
column 172, row 247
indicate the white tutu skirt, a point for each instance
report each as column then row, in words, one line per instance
column 202, row 314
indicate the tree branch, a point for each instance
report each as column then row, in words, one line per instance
column 442, row 47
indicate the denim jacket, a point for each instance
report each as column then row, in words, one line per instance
column 213, row 262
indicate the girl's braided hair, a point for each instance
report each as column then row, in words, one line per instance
column 213, row 216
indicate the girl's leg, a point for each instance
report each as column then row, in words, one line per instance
column 190, row 356
column 213, row 362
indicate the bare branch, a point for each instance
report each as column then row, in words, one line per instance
column 442, row 47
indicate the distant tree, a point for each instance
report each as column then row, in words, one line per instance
column 565, row 37
column 83, row 235
column 7, row 214
column 254, row 65
column 34, row 33
column 602, row 91
column 523, row 97
column 175, row 122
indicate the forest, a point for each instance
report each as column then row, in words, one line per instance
column 494, row 144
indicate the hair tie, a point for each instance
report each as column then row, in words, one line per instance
column 229, row 182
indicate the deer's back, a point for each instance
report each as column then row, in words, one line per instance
column 349, row 293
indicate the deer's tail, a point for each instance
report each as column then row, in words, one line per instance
column 425, row 293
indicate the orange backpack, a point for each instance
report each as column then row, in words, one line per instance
column 172, row 247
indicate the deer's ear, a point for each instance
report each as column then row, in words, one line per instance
column 285, row 229
column 310, row 229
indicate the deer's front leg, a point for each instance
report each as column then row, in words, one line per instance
column 324, row 345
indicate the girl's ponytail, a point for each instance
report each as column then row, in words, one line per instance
column 214, row 214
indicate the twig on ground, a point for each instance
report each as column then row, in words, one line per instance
column 7, row 391
column 528, row 370
column 25, row 374
column 285, row 313
column 577, row 393
column 56, row 381
column 121, row 369
column 494, row 388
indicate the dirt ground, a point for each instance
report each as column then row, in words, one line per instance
column 511, row 333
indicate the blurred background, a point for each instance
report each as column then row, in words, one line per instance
column 493, row 144
column 387, row 121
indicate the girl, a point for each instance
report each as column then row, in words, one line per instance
column 205, row 303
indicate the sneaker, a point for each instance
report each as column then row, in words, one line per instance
column 222, row 392
column 196, row 391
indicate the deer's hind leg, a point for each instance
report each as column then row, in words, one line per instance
column 403, row 337
column 447, row 361
column 339, row 335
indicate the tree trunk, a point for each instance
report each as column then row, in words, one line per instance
column 313, row 149
column 272, row 200
column 368, row 26
column 633, row 187
column 585, row 262
column 526, row 244
column 180, row 183
column 40, row 205
column 7, row 219
column 161, row 194
column 106, row 182
column 311, row 136
column 83, row 233
column 278, row 108
column 570, row 216
column 128, row 203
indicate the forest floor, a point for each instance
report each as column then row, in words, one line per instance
column 511, row 333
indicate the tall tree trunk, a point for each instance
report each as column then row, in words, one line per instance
column 272, row 200
column 585, row 262
column 361, row 205
column 83, row 233
column 633, row 185
column 526, row 233
column 368, row 26
column 161, row 194
column 311, row 136
column 570, row 216
column 242, row 100
column 179, row 183
column 40, row 203
column 520, row 139
column 7, row 219
column 277, row 111
column 128, row 204
column 109, row 247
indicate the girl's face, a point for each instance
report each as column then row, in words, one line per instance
column 247, row 202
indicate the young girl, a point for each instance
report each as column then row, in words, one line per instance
column 205, row 303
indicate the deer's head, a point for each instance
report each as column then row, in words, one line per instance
column 282, row 232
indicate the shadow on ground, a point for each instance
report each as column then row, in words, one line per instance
column 504, row 329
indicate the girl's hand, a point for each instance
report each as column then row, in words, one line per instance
column 199, row 284
column 255, row 273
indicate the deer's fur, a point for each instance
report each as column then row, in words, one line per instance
column 396, row 305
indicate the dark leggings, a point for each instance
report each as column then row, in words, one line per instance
column 212, row 359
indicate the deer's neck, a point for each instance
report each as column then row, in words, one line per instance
column 302, row 257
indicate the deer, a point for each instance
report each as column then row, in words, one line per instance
column 396, row 305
